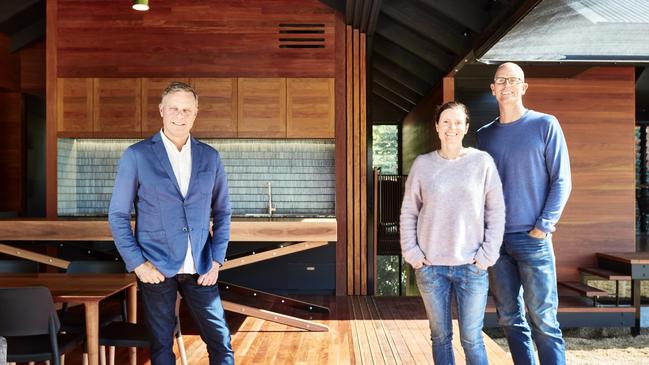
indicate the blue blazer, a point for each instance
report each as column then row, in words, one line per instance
column 163, row 218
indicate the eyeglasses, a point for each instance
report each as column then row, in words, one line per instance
column 507, row 80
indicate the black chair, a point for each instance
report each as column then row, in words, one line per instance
column 73, row 320
column 30, row 325
column 18, row 266
column 124, row 334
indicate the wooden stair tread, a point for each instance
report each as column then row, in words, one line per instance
column 583, row 289
column 606, row 274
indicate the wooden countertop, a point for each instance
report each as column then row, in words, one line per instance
column 293, row 230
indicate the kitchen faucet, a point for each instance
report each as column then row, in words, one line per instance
column 270, row 201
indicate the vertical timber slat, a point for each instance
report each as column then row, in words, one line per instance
column 350, row 158
column 50, row 119
column 363, row 168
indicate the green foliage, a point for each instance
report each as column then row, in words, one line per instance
column 385, row 148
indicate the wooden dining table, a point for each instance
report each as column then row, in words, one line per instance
column 88, row 290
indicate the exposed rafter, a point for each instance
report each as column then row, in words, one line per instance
column 9, row 9
column 404, row 76
column 392, row 97
column 389, row 83
column 414, row 43
column 403, row 57
column 424, row 22
column 464, row 12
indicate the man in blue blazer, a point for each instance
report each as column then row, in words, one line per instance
column 177, row 185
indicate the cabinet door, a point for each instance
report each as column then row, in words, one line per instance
column 262, row 107
column 74, row 107
column 117, row 111
column 217, row 107
column 152, row 89
column 310, row 108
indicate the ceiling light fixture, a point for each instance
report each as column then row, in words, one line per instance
column 141, row 5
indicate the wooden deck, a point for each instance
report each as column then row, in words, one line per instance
column 363, row 330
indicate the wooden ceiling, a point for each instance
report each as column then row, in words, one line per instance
column 23, row 21
column 413, row 44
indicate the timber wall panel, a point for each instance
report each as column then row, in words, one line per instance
column 262, row 107
column 9, row 66
column 597, row 114
column 217, row 104
column 32, row 69
column 418, row 127
column 117, row 107
column 12, row 162
column 310, row 108
column 75, row 107
column 201, row 38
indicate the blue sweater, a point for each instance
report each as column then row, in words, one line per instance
column 532, row 160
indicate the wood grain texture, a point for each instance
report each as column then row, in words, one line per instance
column 32, row 69
column 261, row 107
column 349, row 78
column 203, row 38
column 418, row 128
column 362, row 169
column 356, row 164
column 74, row 107
column 397, row 326
column 217, row 107
column 117, row 107
column 9, row 66
column 12, row 156
column 341, row 157
column 256, row 231
column 597, row 114
column 310, row 110
column 152, row 89
column 51, row 123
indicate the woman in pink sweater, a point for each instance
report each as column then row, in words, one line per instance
column 452, row 224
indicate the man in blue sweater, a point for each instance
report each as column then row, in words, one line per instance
column 532, row 159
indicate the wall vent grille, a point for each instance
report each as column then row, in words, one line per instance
column 301, row 35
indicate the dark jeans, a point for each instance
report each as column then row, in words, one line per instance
column 525, row 277
column 204, row 302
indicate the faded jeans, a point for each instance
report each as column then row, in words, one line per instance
column 525, row 276
column 469, row 285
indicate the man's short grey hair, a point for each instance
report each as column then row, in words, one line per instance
column 179, row 86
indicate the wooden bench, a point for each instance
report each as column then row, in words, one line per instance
column 607, row 275
column 584, row 290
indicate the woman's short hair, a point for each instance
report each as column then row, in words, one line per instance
column 452, row 105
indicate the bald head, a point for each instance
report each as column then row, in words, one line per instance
column 510, row 69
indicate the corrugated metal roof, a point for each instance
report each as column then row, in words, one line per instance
column 578, row 31
column 618, row 11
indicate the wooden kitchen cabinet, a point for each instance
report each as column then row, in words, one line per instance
column 310, row 108
column 117, row 107
column 74, row 107
column 152, row 89
column 217, row 107
column 261, row 107
column 228, row 107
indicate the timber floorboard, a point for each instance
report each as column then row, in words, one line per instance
column 363, row 330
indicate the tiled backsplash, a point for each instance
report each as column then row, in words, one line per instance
column 301, row 173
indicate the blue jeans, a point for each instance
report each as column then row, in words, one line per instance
column 469, row 285
column 204, row 303
column 525, row 276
